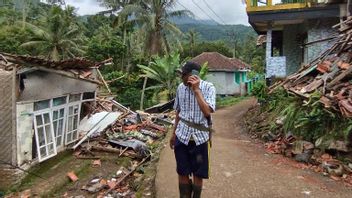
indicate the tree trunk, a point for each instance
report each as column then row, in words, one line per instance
column 142, row 96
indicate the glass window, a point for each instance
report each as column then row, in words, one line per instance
column 44, row 104
column 75, row 97
column 59, row 101
column 88, row 95
column 44, row 136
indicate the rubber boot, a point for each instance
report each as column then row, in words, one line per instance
column 185, row 190
column 197, row 190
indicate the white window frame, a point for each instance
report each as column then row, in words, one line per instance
column 71, row 104
column 41, row 113
column 58, row 108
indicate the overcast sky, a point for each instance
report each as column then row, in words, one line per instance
column 229, row 11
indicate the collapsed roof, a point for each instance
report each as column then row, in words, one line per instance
column 330, row 74
column 79, row 68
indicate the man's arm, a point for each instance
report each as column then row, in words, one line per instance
column 204, row 106
column 173, row 136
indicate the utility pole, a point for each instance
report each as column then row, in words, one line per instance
column 232, row 35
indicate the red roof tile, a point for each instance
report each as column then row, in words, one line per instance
column 219, row 62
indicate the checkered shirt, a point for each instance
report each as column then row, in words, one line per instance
column 187, row 106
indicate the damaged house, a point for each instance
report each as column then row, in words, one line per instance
column 41, row 105
column 292, row 29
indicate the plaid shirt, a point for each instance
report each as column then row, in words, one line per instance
column 187, row 106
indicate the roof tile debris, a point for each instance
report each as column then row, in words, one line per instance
column 79, row 68
column 30, row 61
column 219, row 62
column 330, row 74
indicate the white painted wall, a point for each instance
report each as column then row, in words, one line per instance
column 24, row 119
column 224, row 82
column 40, row 85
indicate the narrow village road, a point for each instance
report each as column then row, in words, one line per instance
column 241, row 168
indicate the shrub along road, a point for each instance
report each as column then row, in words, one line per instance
column 241, row 168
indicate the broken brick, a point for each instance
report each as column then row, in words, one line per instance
column 73, row 177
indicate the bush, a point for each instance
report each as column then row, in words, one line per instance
column 260, row 91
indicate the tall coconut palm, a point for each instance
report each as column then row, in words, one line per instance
column 192, row 37
column 152, row 18
column 58, row 36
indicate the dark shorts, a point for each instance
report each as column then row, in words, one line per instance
column 192, row 159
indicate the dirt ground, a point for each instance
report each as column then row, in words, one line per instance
column 241, row 168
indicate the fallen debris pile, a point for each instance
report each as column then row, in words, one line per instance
column 330, row 74
column 112, row 128
column 307, row 155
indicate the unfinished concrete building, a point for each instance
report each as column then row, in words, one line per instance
column 294, row 30
column 41, row 105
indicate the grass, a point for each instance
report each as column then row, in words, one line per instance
column 228, row 101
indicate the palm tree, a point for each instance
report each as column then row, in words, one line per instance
column 152, row 18
column 192, row 37
column 58, row 37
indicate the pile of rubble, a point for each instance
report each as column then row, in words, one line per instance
column 110, row 127
column 306, row 154
column 311, row 157
column 330, row 74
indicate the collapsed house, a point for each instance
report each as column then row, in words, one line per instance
column 292, row 29
column 41, row 105
column 49, row 106
column 329, row 74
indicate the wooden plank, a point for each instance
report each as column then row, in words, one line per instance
column 339, row 78
column 104, row 82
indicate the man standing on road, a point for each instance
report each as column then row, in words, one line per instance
column 195, row 101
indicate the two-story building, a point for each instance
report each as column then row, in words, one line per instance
column 296, row 31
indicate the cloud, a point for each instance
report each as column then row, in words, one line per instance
column 230, row 11
column 85, row 7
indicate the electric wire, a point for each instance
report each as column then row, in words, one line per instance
column 206, row 3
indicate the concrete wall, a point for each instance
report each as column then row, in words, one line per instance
column 319, row 29
column 40, row 85
column 25, row 132
column 275, row 66
column 7, row 129
column 6, row 121
column 291, row 47
column 224, row 82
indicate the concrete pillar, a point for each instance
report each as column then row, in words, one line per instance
column 269, row 35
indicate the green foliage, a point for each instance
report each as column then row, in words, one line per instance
column 308, row 120
column 152, row 20
column 252, row 54
column 128, row 89
column 211, row 32
column 199, row 48
column 11, row 38
column 163, row 71
column 57, row 35
column 260, row 90
column 204, row 71
column 227, row 101
column 102, row 47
